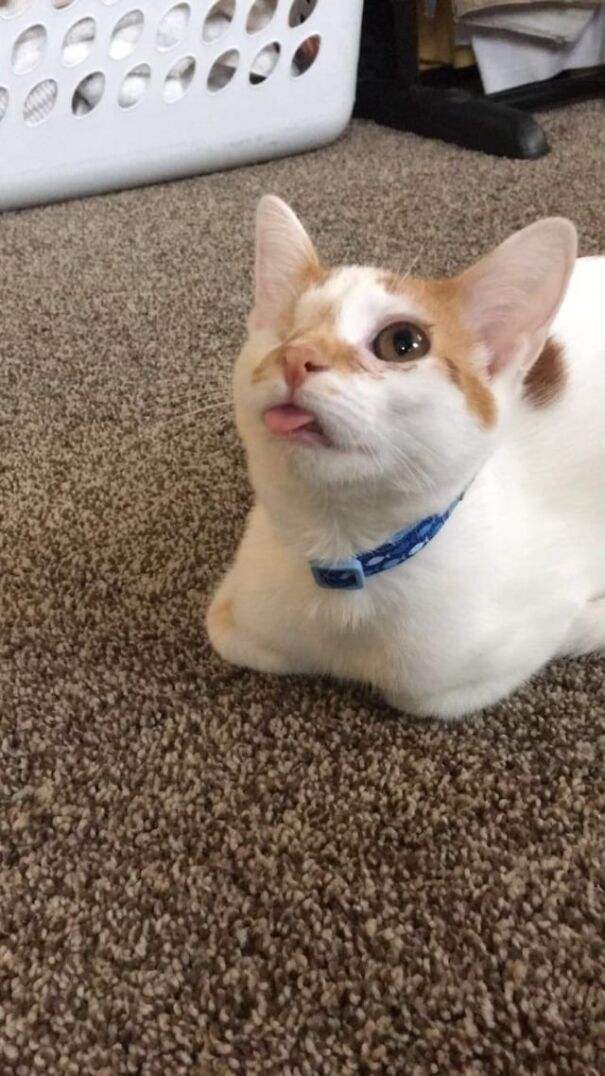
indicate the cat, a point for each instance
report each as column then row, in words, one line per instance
column 460, row 421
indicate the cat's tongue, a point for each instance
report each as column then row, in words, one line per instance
column 296, row 424
column 287, row 419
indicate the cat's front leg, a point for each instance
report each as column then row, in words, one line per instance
column 453, row 703
column 238, row 646
column 587, row 632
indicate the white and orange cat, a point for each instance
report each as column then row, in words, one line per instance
column 369, row 403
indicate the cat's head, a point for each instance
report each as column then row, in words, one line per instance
column 359, row 375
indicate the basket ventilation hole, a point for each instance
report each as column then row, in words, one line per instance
column 178, row 79
column 78, row 42
column 28, row 49
column 264, row 63
column 40, row 102
column 3, row 102
column 62, row 3
column 8, row 8
column 260, row 15
column 126, row 34
column 218, row 20
column 88, row 93
column 305, row 55
column 134, row 86
column 300, row 11
column 173, row 26
column 223, row 70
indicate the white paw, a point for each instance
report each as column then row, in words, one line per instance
column 587, row 632
column 436, row 707
column 236, row 646
column 464, row 701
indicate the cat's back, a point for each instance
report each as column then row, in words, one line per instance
column 566, row 386
column 557, row 445
column 579, row 327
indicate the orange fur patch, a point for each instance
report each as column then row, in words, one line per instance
column 546, row 379
column 313, row 275
column 322, row 336
column 222, row 614
column 441, row 302
column 336, row 353
column 267, row 367
column 340, row 355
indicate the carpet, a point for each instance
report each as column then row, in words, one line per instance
column 211, row 872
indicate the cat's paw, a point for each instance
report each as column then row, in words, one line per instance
column 451, row 705
column 236, row 646
column 587, row 632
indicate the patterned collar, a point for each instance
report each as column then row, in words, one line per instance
column 351, row 574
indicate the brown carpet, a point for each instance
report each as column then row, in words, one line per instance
column 211, row 872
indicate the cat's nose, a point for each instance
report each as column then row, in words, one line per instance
column 299, row 362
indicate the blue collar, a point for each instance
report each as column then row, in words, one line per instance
column 351, row 574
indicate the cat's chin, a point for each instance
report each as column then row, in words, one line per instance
column 313, row 438
column 320, row 466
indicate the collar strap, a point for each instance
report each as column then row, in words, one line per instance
column 351, row 574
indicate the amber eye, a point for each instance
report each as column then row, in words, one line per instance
column 400, row 343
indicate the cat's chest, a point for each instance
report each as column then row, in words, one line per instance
column 390, row 628
column 430, row 628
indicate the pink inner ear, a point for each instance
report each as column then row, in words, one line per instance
column 502, row 346
column 512, row 295
column 284, row 253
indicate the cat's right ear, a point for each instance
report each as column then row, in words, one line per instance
column 285, row 258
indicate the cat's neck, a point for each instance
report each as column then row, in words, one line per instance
column 331, row 525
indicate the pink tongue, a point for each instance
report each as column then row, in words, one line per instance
column 287, row 418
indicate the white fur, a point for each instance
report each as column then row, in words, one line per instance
column 517, row 575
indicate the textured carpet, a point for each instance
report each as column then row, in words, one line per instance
column 206, row 871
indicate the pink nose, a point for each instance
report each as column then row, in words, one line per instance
column 298, row 363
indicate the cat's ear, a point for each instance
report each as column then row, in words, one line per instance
column 511, row 296
column 285, row 257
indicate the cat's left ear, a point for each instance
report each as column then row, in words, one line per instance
column 510, row 297
column 285, row 258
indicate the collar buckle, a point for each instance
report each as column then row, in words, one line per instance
column 345, row 575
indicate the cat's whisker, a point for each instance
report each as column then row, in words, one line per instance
column 206, row 409
column 169, row 392
column 145, row 470
column 144, row 450
column 184, row 381
column 147, row 438
column 411, row 470
column 423, row 449
column 162, row 412
column 159, row 411
column 412, row 467
column 191, row 399
column 403, row 276
column 162, row 433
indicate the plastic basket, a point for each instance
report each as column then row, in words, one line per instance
column 103, row 94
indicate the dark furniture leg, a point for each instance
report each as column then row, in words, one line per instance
column 453, row 116
column 389, row 91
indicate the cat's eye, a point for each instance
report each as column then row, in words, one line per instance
column 400, row 343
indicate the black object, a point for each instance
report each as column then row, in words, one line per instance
column 447, row 104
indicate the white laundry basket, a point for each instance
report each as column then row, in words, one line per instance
column 102, row 94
